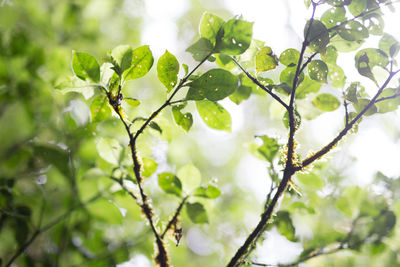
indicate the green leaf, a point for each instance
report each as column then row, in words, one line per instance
column 374, row 23
column 154, row 125
column 284, row 224
column 350, row 200
column 334, row 16
column 344, row 45
column 109, row 150
column 318, row 36
column 290, row 57
column 200, row 49
column 99, row 109
column 215, row 84
column 297, row 119
column 357, row 7
column 149, row 167
column 318, row 71
column 368, row 58
column 186, row 68
column 362, row 103
column 266, row 60
column 209, row 27
column 308, row 86
column 331, row 55
column 389, row 45
column 132, row 102
column 326, row 102
column 207, row 192
column 288, row 74
column 190, row 177
column 337, row 76
column 167, row 70
column 54, row 155
column 170, row 183
column 185, row 120
column 269, row 149
column 310, row 181
column 241, row 93
column 234, row 37
column 106, row 211
column 122, row 58
column 214, row 115
column 196, row 212
column 142, row 61
column 389, row 104
column 224, row 61
column 85, row 66
column 353, row 31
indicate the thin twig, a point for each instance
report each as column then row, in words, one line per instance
column 387, row 98
column 257, row 82
column 176, row 214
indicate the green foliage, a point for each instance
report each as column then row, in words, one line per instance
column 167, row 70
column 214, row 115
column 266, row 60
column 85, row 66
column 170, row 183
column 210, row 25
column 326, row 102
column 207, row 192
column 318, row 71
column 234, row 37
column 142, row 61
column 196, row 212
column 149, row 167
column 185, row 120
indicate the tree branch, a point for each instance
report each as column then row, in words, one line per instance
column 173, row 220
column 257, row 82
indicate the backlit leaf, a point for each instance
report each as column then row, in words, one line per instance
column 85, row 66
column 185, row 120
column 170, row 183
column 196, row 212
column 326, row 102
column 190, row 177
column 269, row 149
column 389, row 45
column 334, row 16
column 362, row 103
column 234, row 37
column 209, row 27
column 132, row 102
column 167, row 70
column 122, row 57
column 142, row 61
column 200, row 49
column 109, row 150
column 99, row 109
column 318, row 71
column 215, row 84
column 284, row 224
column 149, row 167
column 353, row 31
column 307, row 86
column 368, row 58
column 214, row 115
column 209, row 191
column 288, row 74
column 318, row 36
column 266, row 60
column 289, row 57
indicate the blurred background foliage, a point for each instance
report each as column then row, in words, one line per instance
column 50, row 163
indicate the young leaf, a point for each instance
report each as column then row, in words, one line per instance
column 132, row 102
column 215, row 84
column 353, row 31
column 190, row 177
column 170, row 183
column 122, row 58
column 196, row 212
column 326, row 102
column 318, row 71
column 154, row 125
column 308, row 86
column 318, row 36
column 167, row 70
column 142, row 61
column 334, row 16
column 241, row 93
column 290, row 57
column 209, row 27
column 266, row 60
column 288, row 74
column 109, row 150
column 185, row 120
column 149, row 167
column 269, row 149
column 389, row 45
column 207, row 192
column 214, row 115
column 200, row 49
column 99, row 109
column 85, row 66
column 234, row 37
column 284, row 224
column 337, row 76
column 368, row 58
